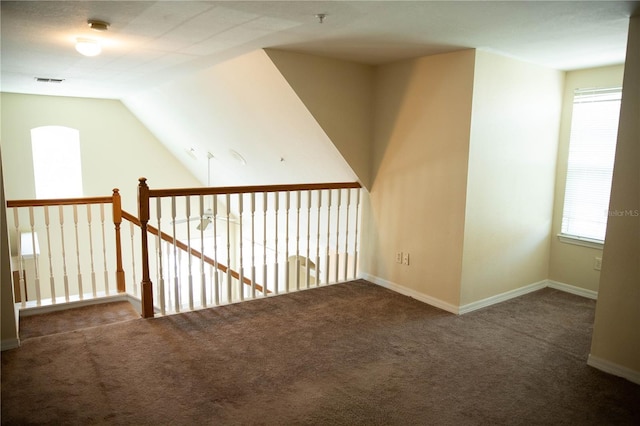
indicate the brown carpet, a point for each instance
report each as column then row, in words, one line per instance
column 348, row 354
column 76, row 318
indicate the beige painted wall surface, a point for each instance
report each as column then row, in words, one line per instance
column 247, row 106
column 421, row 130
column 569, row 263
column 116, row 149
column 512, row 161
column 339, row 95
column 616, row 335
column 8, row 330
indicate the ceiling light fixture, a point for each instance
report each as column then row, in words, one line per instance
column 98, row 25
column 88, row 46
column 321, row 17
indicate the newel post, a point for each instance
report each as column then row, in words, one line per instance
column 117, row 220
column 143, row 215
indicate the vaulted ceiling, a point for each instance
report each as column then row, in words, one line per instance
column 150, row 42
column 162, row 58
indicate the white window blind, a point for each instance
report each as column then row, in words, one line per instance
column 592, row 148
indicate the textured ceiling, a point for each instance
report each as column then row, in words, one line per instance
column 151, row 42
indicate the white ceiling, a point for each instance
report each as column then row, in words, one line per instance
column 152, row 42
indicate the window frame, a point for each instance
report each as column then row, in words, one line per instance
column 581, row 96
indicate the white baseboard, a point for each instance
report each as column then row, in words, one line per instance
column 36, row 310
column 502, row 297
column 411, row 293
column 136, row 302
column 568, row 288
column 613, row 368
column 7, row 344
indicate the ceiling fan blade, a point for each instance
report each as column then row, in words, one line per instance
column 204, row 224
column 180, row 221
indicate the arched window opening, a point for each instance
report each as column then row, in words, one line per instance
column 57, row 166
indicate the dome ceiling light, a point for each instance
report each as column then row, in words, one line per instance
column 89, row 46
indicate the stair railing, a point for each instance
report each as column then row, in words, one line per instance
column 48, row 230
column 273, row 239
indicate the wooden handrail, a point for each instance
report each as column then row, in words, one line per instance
column 178, row 192
column 145, row 194
column 59, row 202
column 114, row 200
column 182, row 246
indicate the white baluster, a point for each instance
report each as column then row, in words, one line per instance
column 277, row 265
column 308, row 260
column 318, row 239
column 133, row 258
column 229, row 297
column 23, row 287
column 52, row 282
column 264, row 244
column 298, row 240
column 346, row 236
column 104, row 251
column 34, row 253
column 328, row 235
column 286, row 246
column 253, row 245
column 203, row 284
column 189, row 255
column 64, row 255
column 181, row 296
column 176, row 280
column 216, row 276
column 241, row 271
column 337, row 276
column 75, row 224
column 93, row 272
column 161, row 295
column 169, row 300
column 356, row 236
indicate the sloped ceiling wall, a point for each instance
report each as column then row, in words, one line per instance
column 340, row 96
column 244, row 106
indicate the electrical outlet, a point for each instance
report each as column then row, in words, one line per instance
column 597, row 263
column 405, row 258
column 399, row 257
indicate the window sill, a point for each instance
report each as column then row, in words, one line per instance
column 580, row 241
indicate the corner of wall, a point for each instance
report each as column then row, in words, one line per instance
column 8, row 320
column 616, row 335
column 339, row 95
column 511, row 174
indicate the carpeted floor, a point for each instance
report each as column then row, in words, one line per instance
column 347, row 354
column 76, row 318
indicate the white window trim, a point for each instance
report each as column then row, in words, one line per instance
column 581, row 241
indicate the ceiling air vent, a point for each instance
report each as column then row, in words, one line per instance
column 49, row 80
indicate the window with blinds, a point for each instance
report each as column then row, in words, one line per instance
column 592, row 148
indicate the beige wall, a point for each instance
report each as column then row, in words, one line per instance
column 569, row 263
column 616, row 336
column 339, row 95
column 245, row 105
column 116, row 148
column 419, row 171
column 9, row 331
column 512, row 159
